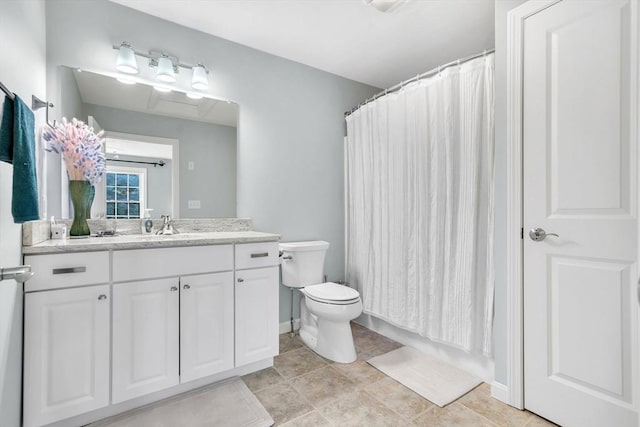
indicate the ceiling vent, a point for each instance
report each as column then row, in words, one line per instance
column 385, row 5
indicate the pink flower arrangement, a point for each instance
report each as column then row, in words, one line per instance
column 80, row 148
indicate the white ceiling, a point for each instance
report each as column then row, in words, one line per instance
column 344, row 37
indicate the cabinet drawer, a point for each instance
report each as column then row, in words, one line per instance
column 170, row 262
column 254, row 255
column 67, row 270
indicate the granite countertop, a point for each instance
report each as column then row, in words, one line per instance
column 143, row 241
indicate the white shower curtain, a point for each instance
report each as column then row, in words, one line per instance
column 420, row 206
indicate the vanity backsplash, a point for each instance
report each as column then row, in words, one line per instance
column 34, row 232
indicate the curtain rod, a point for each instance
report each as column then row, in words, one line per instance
column 436, row 70
column 158, row 163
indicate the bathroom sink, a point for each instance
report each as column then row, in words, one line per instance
column 166, row 236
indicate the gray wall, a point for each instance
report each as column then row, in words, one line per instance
column 211, row 147
column 291, row 125
column 500, row 327
column 70, row 105
column 22, row 70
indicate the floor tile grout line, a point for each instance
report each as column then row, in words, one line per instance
column 396, row 412
column 327, row 403
column 301, row 375
column 477, row 413
column 431, row 408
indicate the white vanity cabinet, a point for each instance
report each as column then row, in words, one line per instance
column 145, row 337
column 66, row 353
column 171, row 330
column 256, row 302
column 109, row 330
column 206, row 325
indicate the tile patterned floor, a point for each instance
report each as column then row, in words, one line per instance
column 303, row 389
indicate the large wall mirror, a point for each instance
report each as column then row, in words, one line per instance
column 167, row 151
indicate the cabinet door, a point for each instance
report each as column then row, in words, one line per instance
column 206, row 325
column 145, row 337
column 256, row 314
column 66, row 353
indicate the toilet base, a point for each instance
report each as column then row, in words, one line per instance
column 331, row 339
column 335, row 341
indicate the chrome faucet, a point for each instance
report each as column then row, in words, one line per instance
column 167, row 226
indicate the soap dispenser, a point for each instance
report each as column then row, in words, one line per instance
column 146, row 224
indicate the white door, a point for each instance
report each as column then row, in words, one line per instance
column 256, row 314
column 206, row 325
column 66, row 353
column 580, row 182
column 145, row 337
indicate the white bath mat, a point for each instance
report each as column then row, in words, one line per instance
column 431, row 378
column 228, row 403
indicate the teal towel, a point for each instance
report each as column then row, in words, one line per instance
column 17, row 146
column 6, row 132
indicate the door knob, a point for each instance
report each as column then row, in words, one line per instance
column 538, row 234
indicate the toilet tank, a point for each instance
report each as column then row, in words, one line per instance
column 306, row 266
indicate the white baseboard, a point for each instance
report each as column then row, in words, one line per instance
column 286, row 326
column 500, row 391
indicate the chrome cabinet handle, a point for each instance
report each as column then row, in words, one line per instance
column 101, row 297
column 538, row 234
column 173, row 289
column 287, row 257
column 70, row 270
column 186, row 287
column 260, row 255
column 240, row 280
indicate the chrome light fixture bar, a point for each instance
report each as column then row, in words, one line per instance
column 167, row 65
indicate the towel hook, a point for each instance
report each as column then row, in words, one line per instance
column 37, row 103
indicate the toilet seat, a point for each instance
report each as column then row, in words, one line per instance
column 332, row 293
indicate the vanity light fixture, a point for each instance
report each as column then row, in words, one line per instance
column 125, row 81
column 165, row 72
column 166, row 65
column 126, row 61
column 200, row 81
column 194, row 95
column 385, row 5
column 162, row 89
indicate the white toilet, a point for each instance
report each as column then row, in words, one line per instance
column 327, row 308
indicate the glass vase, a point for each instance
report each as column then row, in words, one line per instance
column 80, row 192
column 92, row 195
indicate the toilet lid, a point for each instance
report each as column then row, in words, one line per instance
column 331, row 292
